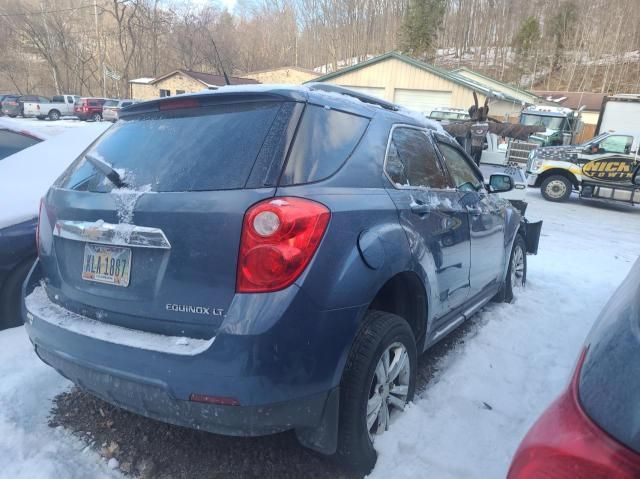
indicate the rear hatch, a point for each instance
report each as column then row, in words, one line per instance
column 159, row 253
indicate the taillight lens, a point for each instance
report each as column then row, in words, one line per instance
column 279, row 238
column 566, row 444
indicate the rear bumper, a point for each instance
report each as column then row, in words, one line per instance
column 154, row 400
column 284, row 375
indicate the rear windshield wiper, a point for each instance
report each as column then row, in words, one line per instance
column 112, row 175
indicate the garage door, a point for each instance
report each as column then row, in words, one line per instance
column 368, row 90
column 422, row 100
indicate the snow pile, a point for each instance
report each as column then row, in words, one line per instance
column 26, row 176
column 518, row 358
column 29, row 448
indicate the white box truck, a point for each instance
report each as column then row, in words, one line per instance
column 619, row 113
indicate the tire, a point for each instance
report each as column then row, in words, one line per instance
column 556, row 188
column 362, row 382
column 11, row 296
column 96, row 117
column 12, row 116
column 517, row 271
column 40, row 117
column 54, row 115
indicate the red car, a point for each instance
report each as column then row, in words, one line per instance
column 592, row 431
column 89, row 108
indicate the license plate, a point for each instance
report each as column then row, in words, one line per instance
column 106, row 264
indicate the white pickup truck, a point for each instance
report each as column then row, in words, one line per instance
column 59, row 106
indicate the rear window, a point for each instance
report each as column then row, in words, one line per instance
column 111, row 103
column 196, row 149
column 324, row 141
column 12, row 142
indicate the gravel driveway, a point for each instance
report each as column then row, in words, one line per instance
column 147, row 448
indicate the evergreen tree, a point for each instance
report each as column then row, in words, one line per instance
column 421, row 26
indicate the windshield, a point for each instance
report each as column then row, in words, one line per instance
column 549, row 122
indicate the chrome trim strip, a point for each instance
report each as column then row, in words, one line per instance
column 112, row 234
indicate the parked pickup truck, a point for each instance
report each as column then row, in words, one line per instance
column 601, row 168
column 59, row 106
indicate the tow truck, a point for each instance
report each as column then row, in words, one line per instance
column 600, row 168
column 562, row 125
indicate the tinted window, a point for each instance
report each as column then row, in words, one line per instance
column 12, row 142
column 208, row 148
column 412, row 161
column 324, row 141
column 92, row 103
column 463, row 175
column 57, row 99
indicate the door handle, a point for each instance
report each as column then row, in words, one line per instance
column 420, row 208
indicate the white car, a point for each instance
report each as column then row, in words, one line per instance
column 59, row 106
column 25, row 176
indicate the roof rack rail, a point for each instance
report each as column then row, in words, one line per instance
column 330, row 88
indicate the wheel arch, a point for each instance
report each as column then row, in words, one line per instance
column 560, row 172
column 405, row 295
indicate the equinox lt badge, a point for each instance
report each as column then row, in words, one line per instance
column 186, row 308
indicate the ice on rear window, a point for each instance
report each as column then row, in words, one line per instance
column 196, row 149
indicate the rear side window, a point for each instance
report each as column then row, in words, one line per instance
column 412, row 160
column 324, row 141
column 195, row 149
column 12, row 142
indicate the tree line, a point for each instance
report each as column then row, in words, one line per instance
column 87, row 46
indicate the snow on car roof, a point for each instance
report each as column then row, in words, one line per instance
column 19, row 127
column 26, row 176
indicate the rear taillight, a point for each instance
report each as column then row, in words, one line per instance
column 566, row 444
column 38, row 225
column 279, row 238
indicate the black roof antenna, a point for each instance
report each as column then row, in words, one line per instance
column 226, row 78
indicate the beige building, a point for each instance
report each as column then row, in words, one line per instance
column 283, row 75
column 178, row 82
column 496, row 85
column 420, row 86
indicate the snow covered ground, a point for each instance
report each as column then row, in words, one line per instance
column 468, row 422
column 518, row 357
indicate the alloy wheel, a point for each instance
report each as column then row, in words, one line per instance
column 389, row 388
column 517, row 268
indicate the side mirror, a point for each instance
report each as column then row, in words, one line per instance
column 500, row 183
column 635, row 179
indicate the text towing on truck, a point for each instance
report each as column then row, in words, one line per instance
column 562, row 125
column 601, row 168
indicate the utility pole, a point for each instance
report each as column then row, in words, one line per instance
column 100, row 52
